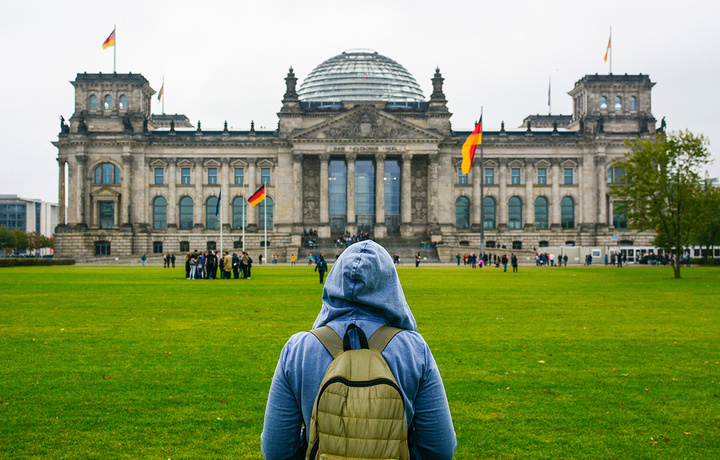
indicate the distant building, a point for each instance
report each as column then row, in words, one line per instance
column 29, row 215
column 357, row 148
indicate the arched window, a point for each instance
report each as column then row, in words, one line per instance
column 123, row 102
column 93, row 102
column 462, row 213
column 515, row 213
column 618, row 103
column 603, row 103
column 108, row 101
column 159, row 208
column 632, row 104
column 107, row 173
column 541, row 213
column 186, row 213
column 212, row 220
column 267, row 203
column 567, row 212
column 239, row 212
column 489, row 213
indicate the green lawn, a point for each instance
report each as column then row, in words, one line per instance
column 578, row 362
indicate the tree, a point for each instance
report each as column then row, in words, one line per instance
column 7, row 239
column 660, row 187
column 706, row 231
column 21, row 240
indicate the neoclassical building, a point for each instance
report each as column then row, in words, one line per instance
column 357, row 148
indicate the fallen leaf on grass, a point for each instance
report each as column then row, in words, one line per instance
column 541, row 362
column 106, row 377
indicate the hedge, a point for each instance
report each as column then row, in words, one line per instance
column 710, row 261
column 31, row 262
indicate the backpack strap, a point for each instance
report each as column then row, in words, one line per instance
column 330, row 340
column 382, row 337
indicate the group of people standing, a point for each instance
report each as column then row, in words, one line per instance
column 169, row 259
column 205, row 265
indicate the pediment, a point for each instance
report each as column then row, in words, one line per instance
column 542, row 164
column 212, row 163
column 185, row 163
column 366, row 123
column 265, row 163
column 239, row 164
column 157, row 163
column 516, row 164
column 105, row 193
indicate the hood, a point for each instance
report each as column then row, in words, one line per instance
column 363, row 282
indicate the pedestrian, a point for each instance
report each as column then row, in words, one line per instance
column 172, row 259
column 321, row 267
column 248, row 266
column 227, row 265
column 292, row 260
column 310, row 259
column 235, row 265
column 504, row 262
column 362, row 289
column 166, row 262
column 143, row 258
column 514, row 263
column 417, row 260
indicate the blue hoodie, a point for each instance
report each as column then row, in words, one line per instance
column 362, row 288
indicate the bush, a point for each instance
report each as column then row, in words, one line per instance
column 710, row 262
column 31, row 262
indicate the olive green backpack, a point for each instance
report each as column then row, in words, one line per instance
column 359, row 411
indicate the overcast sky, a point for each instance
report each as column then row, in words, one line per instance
column 227, row 60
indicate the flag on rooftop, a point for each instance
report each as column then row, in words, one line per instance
column 258, row 196
column 110, row 41
column 607, row 51
column 162, row 91
column 468, row 150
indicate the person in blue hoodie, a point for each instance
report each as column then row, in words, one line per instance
column 362, row 288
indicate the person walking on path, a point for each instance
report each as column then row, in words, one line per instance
column 321, row 267
column 362, row 289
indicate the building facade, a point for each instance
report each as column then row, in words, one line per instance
column 357, row 148
column 28, row 215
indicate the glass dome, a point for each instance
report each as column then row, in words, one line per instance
column 360, row 75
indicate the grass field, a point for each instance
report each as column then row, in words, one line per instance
column 105, row 362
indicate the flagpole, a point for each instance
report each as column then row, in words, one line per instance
column 482, row 193
column 549, row 93
column 163, row 99
column 244, row 222
column 114, row 46
column 611, row 47
column 221, row 218
column 265, row 204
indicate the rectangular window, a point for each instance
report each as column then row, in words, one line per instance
column 184, row 246
column 102, row 248
column 568, row 175
column 157, row 247
column 239, row 176
column 542, row 176
column 211, row 246
column 212, row 176
column 38, row 212
column 106, row 214
column 462, row 178
column 265, row 176
column 159, row 176
column 489, row 176
column 185, row 176
column 515, row 176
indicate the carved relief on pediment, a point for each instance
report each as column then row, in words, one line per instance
column 364, row 125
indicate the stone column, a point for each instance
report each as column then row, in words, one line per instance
column 81, row 202
column 252, row 186
column 588, row 193
column 225, row 198
column 406, row 227
column 61, row 191
column 476, row 205
column 555, row 198
column 350, row 159
column 172, row 201
column 433, row 189
column 380, row 229
column 501, row 212
column 198, row 203
column 126, row 199
column 529, row 201
column 324, row 227
column 601, row 218
column 297, row 190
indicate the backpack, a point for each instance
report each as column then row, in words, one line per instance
column 359, row 411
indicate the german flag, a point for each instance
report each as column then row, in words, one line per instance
column 110, row 41
column 258, row 196
column 468, row 150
